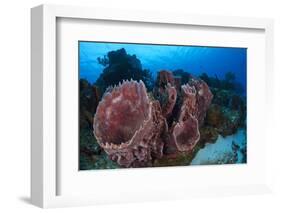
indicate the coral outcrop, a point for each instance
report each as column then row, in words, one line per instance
column 89, row 100
column 119, row 65
column 135, row 129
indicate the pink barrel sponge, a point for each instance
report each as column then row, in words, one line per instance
column 128, row 125
column 135, row 129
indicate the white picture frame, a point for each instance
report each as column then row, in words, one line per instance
column 44, row 148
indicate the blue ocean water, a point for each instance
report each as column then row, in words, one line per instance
column 215, row 61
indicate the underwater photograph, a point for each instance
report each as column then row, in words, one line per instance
column 155, row 105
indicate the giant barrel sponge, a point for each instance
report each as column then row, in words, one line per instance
column 135, row 128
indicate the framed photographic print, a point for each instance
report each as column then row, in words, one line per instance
column 148, row 105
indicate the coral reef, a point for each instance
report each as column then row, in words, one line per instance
column 208, row 134
column 130, row 117
column 91, row 154
column 225, row 120
column 89, row 99
column 134, row 128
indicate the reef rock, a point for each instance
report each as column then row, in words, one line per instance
column 223, row 119
column 208, row 134
column 128, row 125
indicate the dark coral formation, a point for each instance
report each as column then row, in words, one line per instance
column 119, row 66
column 135, row 129
column 223, row 119
column 228, row 83
column 182, row 75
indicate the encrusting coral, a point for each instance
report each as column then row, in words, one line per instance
column 135, row 129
